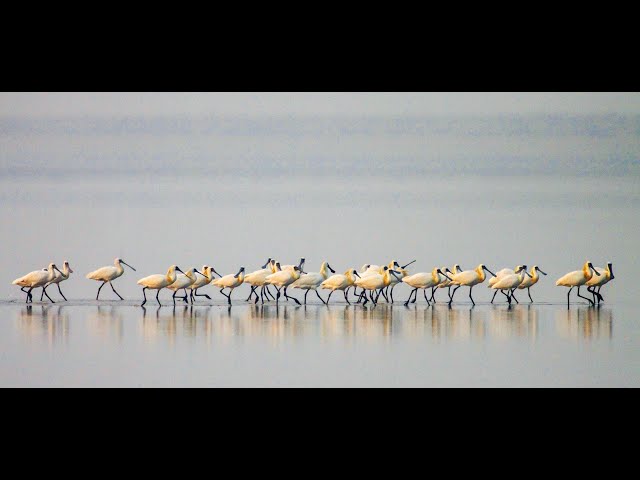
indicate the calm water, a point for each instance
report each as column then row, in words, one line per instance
column 551, row 191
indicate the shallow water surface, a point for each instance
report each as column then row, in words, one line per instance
column 84, row 344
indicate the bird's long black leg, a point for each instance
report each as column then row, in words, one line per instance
column 44, row 290
column 406, row 304
column 587, row 299
column 145, row 296
column 471, row 288
column 292, row 298
column 114, row 291
column 103, row 284
column 65, row 298
column 513, row 290
column 529, row 292
column 424, row 291
column 305, row 296
column 568, row 293
column 158, row 297
column 318, row 295
column 494, row 295
column 452, row 294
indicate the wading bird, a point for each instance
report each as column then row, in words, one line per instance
column 597, row 282
column 59, row 277
column 258, row 278
column 158, row 282
column 374, row 282
column 531, row 280
column 577, row 279
column 108, row 274
column 340, row 282
column 510, row 281
column 423, row 280
column 183, row 281
column 230, row 282
column 282, row 279
column 469, row 278
column 205, row 279
column 312, row 280
column 499, row 275
column 37, row 279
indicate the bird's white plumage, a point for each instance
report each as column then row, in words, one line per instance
column 183, row 280
column 605, row 277
column 158, row 282
column 312, row 280
column 61, row 276
column 108, row 273
column 576, row 278
column 283, row 278
column 37, row 278
column 339, row 281
column 230, row 281
column 424, row 279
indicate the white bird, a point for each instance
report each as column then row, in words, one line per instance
column 446, row 283
column 312, row 280
column 183, row 281
column 108, row 274
column 258, row 278
column 393, row 281
column 205, row 279
column 290, row 267
column 374, row 282
column 499, row 275
column 36, row 279
column 511, row 281
column 59, row 277
column 578, row 278
column 423, row 280
column 158, row 282
column 230, row 282
column 531, row 280
column 340, row 282
column 469, row 278
column 597, row 282
column 283, row 278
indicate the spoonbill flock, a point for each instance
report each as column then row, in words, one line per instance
column 372, row 280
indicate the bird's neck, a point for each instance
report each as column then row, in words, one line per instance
column 587, row 271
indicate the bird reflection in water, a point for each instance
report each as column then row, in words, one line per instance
column 47, row 321
column 418, row 322
column 513, row 321
column 585, row 323
column 106, row 322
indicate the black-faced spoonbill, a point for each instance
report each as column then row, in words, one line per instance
column 158, row 282
column 257, row 279
column 202, row 281
column 578, row 278
column 36, row 279
column 340, row 282
column 499, row 275
column 531, row 280
column 597, row 282
column 312, row 280
column 446, row 283
column 108, row 274
column 373, row 282
column 59, row 277
column 393, row 281
column 511, row 281
column 424, row 280
column 284, row 278
column 230, row 282
column 183, row 281
column 469, row 278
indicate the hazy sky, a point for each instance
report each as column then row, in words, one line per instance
column 281, row 103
